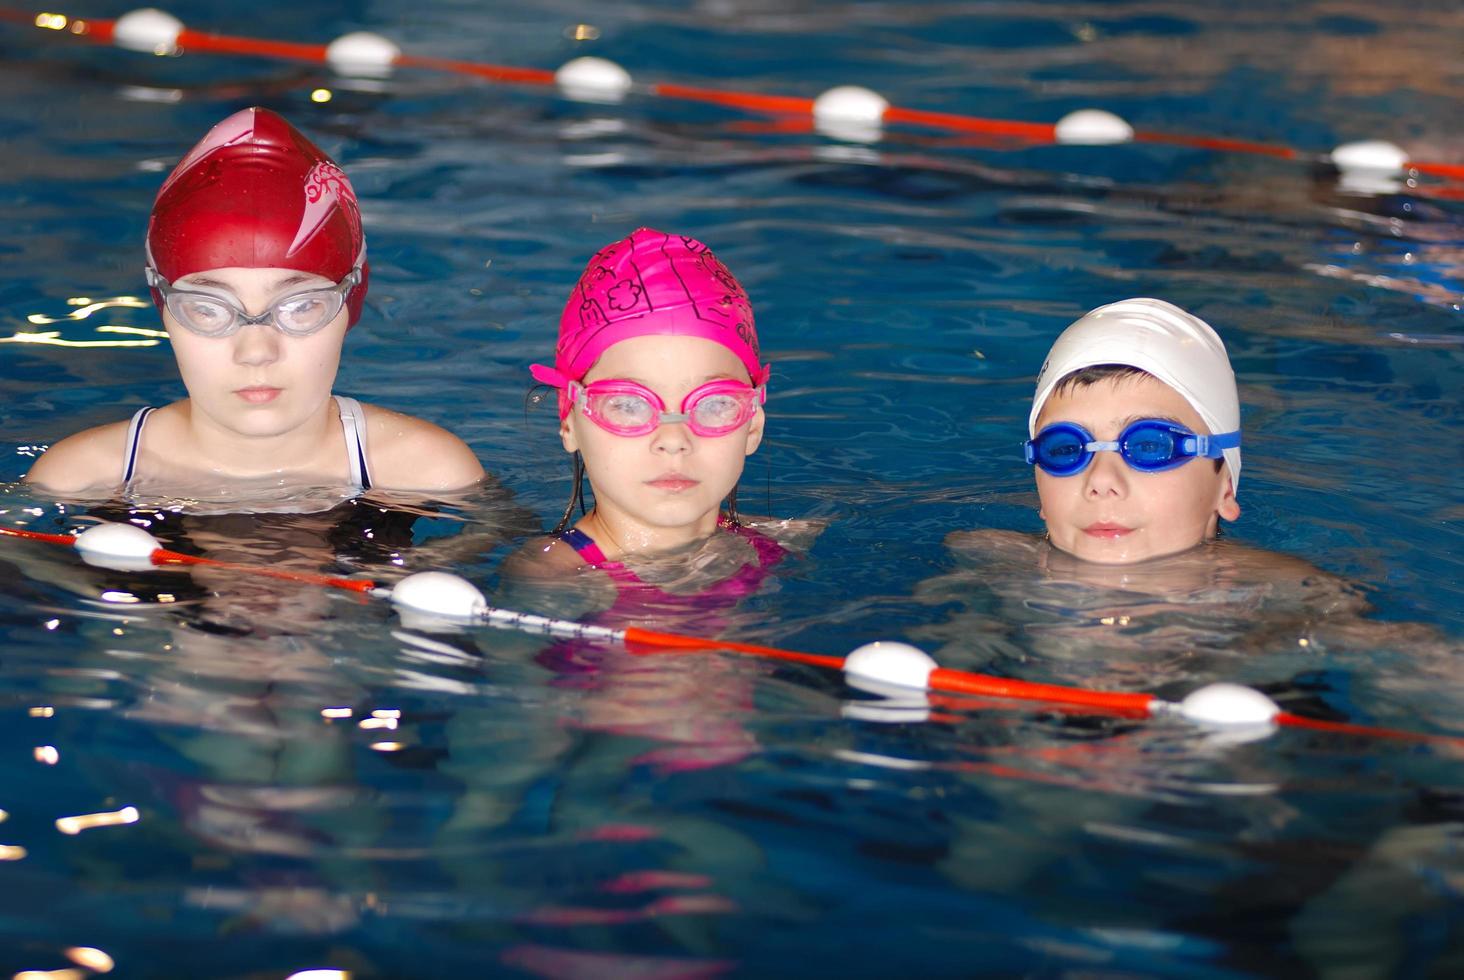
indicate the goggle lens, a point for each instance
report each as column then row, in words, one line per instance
column 1060, row 451
column 626, row 408
column 214, row 315
column 1148, row 445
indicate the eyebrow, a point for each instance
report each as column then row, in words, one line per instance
column 284, row 283
column 1125, row 423
column 706, row 379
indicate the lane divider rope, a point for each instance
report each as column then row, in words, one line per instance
column 892, row 669
column 846, row 112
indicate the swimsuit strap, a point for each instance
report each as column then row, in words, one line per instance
column 769, row 553
column 586, row 548
column 134, row 441
column 353, row 426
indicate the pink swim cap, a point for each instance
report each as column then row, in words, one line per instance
column 651, row 284
column 256, row 194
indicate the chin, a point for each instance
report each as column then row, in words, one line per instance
column 1130, row 556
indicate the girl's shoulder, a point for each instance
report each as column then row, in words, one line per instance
column 545, row 557
column 408, row 453
column 88, row 460
column 795, row 534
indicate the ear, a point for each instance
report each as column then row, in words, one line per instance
column 755, row 431
column 566, row 434
column 1227, row 506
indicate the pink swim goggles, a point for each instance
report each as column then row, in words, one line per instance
column 627, row 408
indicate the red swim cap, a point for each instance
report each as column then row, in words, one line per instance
column 256, row 194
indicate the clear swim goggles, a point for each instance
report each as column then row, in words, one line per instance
column 1148, row 445
column 211, row 313
column 627, row 408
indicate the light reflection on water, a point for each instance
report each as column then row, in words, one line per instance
column 315, row 779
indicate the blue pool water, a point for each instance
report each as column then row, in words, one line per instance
column 558, row 811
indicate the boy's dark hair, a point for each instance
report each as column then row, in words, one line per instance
column 1084, row 377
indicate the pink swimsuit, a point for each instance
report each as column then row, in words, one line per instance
column 745, row 582
column 640, row 602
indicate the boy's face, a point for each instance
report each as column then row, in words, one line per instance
column 1112, row 513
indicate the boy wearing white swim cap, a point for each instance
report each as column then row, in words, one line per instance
column 1135, row 434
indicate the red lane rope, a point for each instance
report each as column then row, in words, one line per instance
column 16, row 532
column 497, row 73
column 1371, row 731
column 653, row 640
column 162, row 556
column 738, row 100
column 165, row 557
column 942, row 680
column 963, row 682
column 1039, row 132
column 1454, row 171
column 255, row 47
column 102, row 31
column 1220, row 144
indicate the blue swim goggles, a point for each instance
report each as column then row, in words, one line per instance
column 1148, row 445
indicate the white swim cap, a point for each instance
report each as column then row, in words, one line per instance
column 1176, row 347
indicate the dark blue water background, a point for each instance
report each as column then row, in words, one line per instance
column 690, row 817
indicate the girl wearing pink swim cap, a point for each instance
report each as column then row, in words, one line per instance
column 257, row 263
column 660, row 402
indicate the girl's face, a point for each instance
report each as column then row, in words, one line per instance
column 259, row 381
column 670, row 480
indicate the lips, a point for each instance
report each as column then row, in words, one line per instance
column 672, row 482
column 1105, row 529
column 258, row 394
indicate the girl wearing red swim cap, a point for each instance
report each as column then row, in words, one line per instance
column 257, row 262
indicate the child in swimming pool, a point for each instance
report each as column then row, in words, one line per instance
column 660, row 401
column 1135, row 434
column 257, row 262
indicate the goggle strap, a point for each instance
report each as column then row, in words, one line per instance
column 1212, row 447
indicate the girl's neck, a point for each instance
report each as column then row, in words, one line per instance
column 312, row 447
column 620, row 538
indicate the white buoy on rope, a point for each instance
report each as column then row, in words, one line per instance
column 1370, row 166
column 125, row 547
column 149, row 30
column 440, row 593
column 591, row 79
column 850, row 113
column 1226, row 704
column 885, row 663
column 362, row 54
column 1093, row 127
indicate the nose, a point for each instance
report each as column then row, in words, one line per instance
column 257, row 344
column 1106, row 476
column 671, row 438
